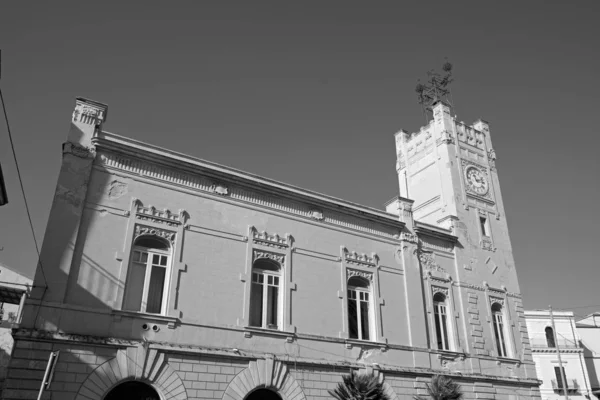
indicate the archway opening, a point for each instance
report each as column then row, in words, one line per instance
column 132, row 390
column 263, row 394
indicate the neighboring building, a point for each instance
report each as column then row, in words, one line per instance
column 13, row 289
column 546, row 343
column 175, row 278
column 588, row 329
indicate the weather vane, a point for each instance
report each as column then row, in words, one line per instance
column 436, row 89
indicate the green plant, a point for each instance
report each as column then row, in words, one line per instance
column 442, row 388
column 359, row 386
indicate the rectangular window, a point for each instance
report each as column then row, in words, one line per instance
column 146, row 282
column 441, row 326
column 484, row 227
column 559, row 378
column 358, row 314
column 264, row 300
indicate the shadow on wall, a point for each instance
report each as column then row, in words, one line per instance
column 589, row 356
column 89, row 284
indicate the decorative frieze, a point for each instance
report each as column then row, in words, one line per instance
column 499, row 300
column 270, row 240
column 409, row 237
column 78, row 150
column 427, row 259
column 203, row 184
column 360, row 259
column 361, row 274
column 154, row 215
column 257, row 254
column 141, row 230
column 438, row 289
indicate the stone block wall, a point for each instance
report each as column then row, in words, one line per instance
column 88, row 372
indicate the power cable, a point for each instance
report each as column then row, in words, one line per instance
column 12, row 145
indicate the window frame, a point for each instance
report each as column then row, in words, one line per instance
column 148, row 274
column 551, row 339
column 364, row 293
column 164, row 224
column 276, row 248
column 265, row 273
column 441, row 323
column 366, row 267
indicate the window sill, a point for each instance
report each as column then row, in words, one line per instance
column 508, row 360
column 450, row 354
column 170, row 321
column 251, row 330
column 368, row 343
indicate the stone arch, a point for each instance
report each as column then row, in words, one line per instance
column 134, row 363
column 268, row 374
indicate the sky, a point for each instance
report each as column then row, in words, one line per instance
column 310, row 93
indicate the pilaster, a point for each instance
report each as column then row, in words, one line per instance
column 64, row 221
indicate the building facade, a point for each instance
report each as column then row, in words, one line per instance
column 14, row 288
column 177, row 278
column 588, row 329
column 556, row 347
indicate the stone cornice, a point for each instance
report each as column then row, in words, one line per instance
column 153, row 162
column 433, row 231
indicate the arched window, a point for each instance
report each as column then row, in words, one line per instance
column 550, row 337
column 359, row 308
column 440, row 311
column 147, row 280
column 498, row 321
column 265, row 309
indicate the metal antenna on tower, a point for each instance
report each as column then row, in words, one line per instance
column 436, row 89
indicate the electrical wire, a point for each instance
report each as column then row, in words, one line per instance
column 12, row 145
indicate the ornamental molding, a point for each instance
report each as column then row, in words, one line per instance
column 88, row 114
column 242, row 194
column 157, row 216
column 264, row 373
column 350, row 273
column 445, row 138
column 78, row 150
column 438, row 289
column 466, row 163
column 486, row 244
column 486, row 288
column 409, row 237
column 271, row 240
column 360, row 259
column 219, row 189
column 427, row 260
column 492, row 157
column 316, row 214
column 141, row 230
column 499, row 300
column 258, row 254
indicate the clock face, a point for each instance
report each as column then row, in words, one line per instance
column 476, row 181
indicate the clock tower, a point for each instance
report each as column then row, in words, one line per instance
column 449, row 169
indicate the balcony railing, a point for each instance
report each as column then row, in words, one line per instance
column 562, row 343
column 572, row 385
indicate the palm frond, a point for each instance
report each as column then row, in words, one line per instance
column 359, row 386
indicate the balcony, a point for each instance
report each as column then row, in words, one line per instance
column 562, row 343
column 572, row 385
